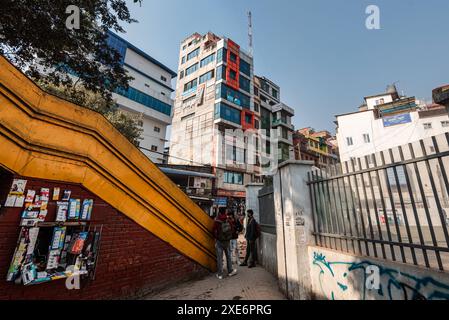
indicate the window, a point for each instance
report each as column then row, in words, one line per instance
column 233, row 96
column 245, row 84
column 233, row 57
column 256, row 91
column 207, row 60
column 118, row 45
column 245, row 68
column 183, row 60
column 221, row 55
column 157, row 129
column 181, row 75
column 248, row 118
column 227, row 113
column 256, row 107
column 380, row 101
column 256, row 124
column 153, row 148
column 193, row 54
column 207, row 76
column 445, row 124
column 191, row 69
column 275, row 93
column 233, row 74
column 147, row 85
column 349, row 141
column 221, row 73
column 427, row 126
column 366, row 138
column 190, row 85
column 233, row 177
column 163, row 78
column 145, row 99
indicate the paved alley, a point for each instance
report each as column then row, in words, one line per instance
column 248, row 284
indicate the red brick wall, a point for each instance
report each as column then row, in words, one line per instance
column 132, row 261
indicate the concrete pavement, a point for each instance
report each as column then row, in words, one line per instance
column 248, row 284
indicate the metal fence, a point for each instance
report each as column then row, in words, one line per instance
column 391, row 205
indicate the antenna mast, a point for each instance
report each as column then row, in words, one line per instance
column 250, row 33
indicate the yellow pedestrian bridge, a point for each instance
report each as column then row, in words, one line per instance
column 45, row 137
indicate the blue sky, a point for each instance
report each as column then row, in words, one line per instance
column 319, row 52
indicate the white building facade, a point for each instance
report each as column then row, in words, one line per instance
column 386, row 121
column 148, row 95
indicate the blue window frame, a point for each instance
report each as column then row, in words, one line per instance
column 221, row 73
column 145, row 99
column 245, row 68
column 207, row 76
column 221, row 55
column 245, row 84
column 233, row 177
column 207, row 60
column 190, row 86
column 233, row 96
column 191, row 69
column 228, row 113
column 119, row 45
column 193, row 54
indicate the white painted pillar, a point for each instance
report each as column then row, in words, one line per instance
column 294, row 228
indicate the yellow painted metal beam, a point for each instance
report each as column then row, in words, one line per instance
column 42, row 136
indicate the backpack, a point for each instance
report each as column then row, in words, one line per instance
column 225, row 231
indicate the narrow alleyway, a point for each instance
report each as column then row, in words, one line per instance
column 248, row 284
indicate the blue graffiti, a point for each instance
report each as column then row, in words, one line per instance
column 394, row 284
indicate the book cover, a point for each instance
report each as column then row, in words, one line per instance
column 56, row 193
column 77, row 244
column 74, row 208
column 45, row 194
column 30, row 196
column 18, row 187
column 87, row 209
column 66, row 195
column 61, row 211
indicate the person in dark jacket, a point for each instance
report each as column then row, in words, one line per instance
column 251, row 237
column 223, row 231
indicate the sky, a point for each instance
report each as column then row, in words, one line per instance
column 318, row 51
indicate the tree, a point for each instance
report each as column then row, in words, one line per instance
column 130, row 125
column 34, row 37
column 34, row 31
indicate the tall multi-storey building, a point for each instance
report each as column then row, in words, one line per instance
column 275, row 120
column 214, row 106
column 149, row 94
column 219, row 114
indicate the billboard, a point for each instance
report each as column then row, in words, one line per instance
column 397, row 119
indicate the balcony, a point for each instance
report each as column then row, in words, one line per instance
column 283, row 107
column 282, row 122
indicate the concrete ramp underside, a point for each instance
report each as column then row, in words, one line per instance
column 42, row 136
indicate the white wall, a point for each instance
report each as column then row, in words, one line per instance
column 382, row 138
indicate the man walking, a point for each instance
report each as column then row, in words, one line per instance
column 223, row 232
column 251, row 235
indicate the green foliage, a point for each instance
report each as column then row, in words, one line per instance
column 130, row 125
column 34, row 37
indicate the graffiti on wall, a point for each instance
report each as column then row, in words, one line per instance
column 339, row 280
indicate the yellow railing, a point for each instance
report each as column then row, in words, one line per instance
column 44, row 137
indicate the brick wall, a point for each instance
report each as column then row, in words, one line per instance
column 131, row 261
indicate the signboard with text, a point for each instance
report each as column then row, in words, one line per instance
column 397, row 119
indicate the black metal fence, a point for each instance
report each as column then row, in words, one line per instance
column 391, row 205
